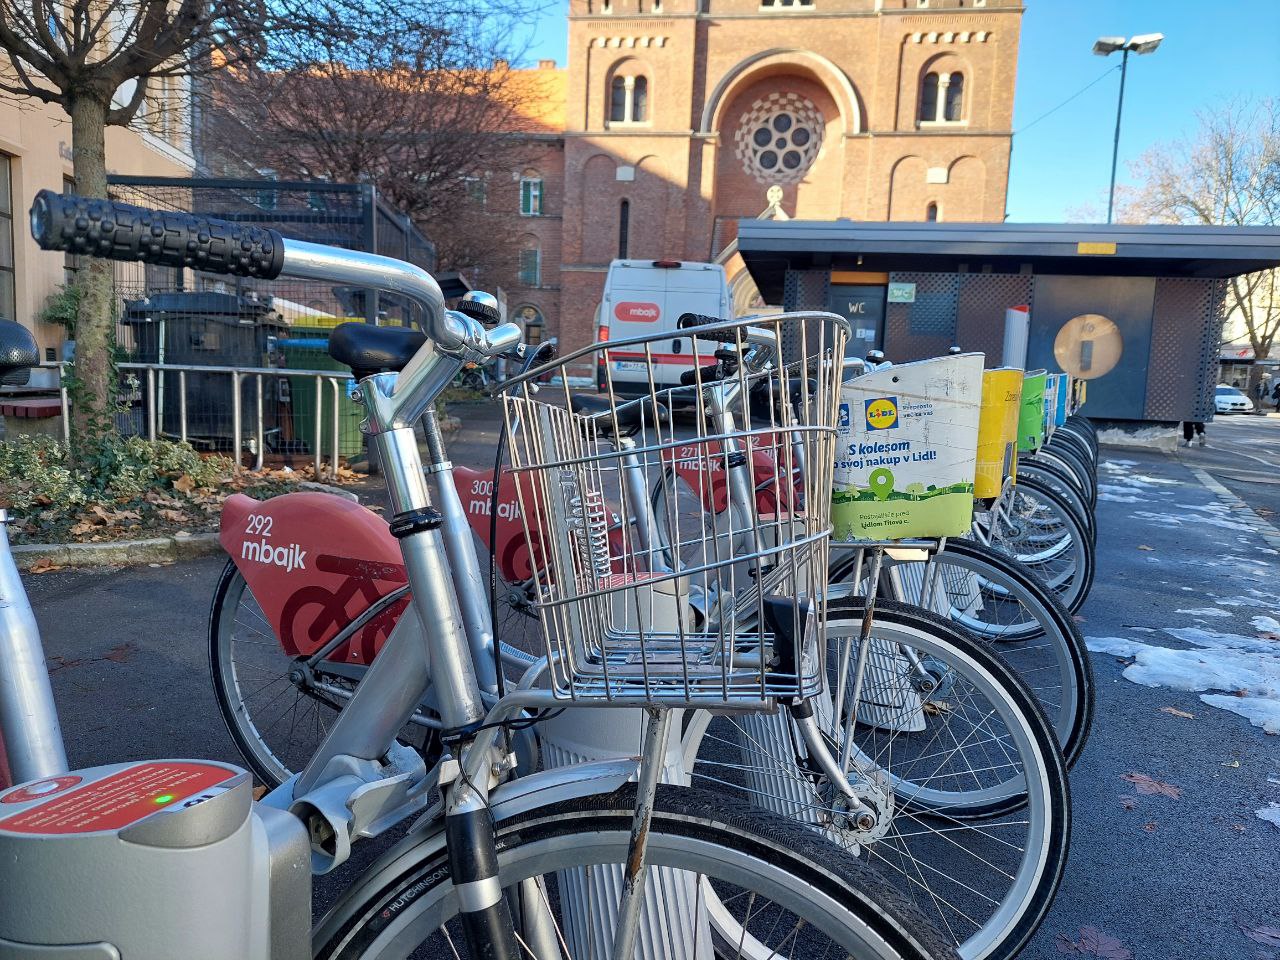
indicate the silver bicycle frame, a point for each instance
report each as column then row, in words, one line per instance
column 30, row 735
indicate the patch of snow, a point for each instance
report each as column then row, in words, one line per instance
column 1114, row 494
column 1152, row 438
column 1213, row 640
column 1262, row 712
column 1266, row 624
column 1205, row 612
column 1270, row 813
column 1119, row 646
column 1247, row 669
column 1175, row 520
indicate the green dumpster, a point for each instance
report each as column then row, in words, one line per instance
column 307, row 348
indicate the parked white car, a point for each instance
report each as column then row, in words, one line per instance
column 1228, row 399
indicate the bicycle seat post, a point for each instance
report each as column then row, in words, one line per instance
column 29, row 728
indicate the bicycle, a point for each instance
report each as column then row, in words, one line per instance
column 488, row 852
column 1043, row 861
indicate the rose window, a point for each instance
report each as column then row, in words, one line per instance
column 779, row 138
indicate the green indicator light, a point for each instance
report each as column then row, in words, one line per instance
column 164, row 798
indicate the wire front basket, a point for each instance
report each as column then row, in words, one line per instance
column 679, row 534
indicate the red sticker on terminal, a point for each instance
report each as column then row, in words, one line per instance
column 118, row 800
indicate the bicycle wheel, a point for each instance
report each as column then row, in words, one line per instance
column 1068, row 460
column 1037, row 527
column 1083, row 427
column 950, row 748
column 1065, row 436
column 276, row 707
column 995, row 599
column 761, row 888
column 1052, row 476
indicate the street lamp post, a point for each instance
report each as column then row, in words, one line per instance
column 1105, row 46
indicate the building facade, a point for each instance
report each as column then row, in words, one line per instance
column 680, row 115
column 35, row 154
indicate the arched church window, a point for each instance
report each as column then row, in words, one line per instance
column 628, row 98
column 779, row 138
column 617, row 100
column 929, row 97
column 931, row 213
column 954, row 109
column 942, row 97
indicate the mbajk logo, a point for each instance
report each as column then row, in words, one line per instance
column 881, row 413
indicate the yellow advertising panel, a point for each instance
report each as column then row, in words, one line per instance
column 905, row 450
column 998, row 430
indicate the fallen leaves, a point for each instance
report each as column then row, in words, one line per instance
column 1150, row 826
column 1175, row 712
column 1151, row 786
column 1094, row 943
column 184, row 484
column 1143, row 546
column 44, row 565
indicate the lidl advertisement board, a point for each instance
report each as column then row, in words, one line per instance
column 906, row 450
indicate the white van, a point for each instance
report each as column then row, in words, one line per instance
column 647, row 297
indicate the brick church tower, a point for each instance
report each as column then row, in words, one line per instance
column 680, row 115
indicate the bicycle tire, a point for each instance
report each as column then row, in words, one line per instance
column 1084, row 431
column 1069, row 437
column 1072, row 585
column 965, row 829
column 1068, row 460
column 410, row 887
column 1051, row 474
column 1070, row 444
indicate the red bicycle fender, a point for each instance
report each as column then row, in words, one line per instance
column 314, row 563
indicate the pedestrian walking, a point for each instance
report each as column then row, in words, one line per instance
column 1188, row 428
column 1275, row 394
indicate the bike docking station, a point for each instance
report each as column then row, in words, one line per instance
column 151, row 859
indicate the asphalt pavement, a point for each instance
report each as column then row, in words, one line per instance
column 1169, row 877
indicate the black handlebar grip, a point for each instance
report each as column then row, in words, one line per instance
column 120, row 231
column 690, row 321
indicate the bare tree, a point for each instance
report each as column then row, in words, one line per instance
column 425, row 109
column 1227, row 173
column 100, row 60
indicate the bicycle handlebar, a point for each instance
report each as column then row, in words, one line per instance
column 121, row 231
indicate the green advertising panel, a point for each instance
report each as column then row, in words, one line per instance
column 1031, row 422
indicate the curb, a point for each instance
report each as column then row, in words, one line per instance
column 1237, row 506
column 117, row 553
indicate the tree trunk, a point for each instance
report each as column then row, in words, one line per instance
column 94, row 390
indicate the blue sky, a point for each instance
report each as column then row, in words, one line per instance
column 1061, row 164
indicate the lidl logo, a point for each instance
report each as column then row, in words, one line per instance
column 882, row 413
column 844, row 415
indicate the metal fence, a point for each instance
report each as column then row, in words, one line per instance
column 145, row 412
column 198, row 350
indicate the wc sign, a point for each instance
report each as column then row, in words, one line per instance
column 902, row 293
